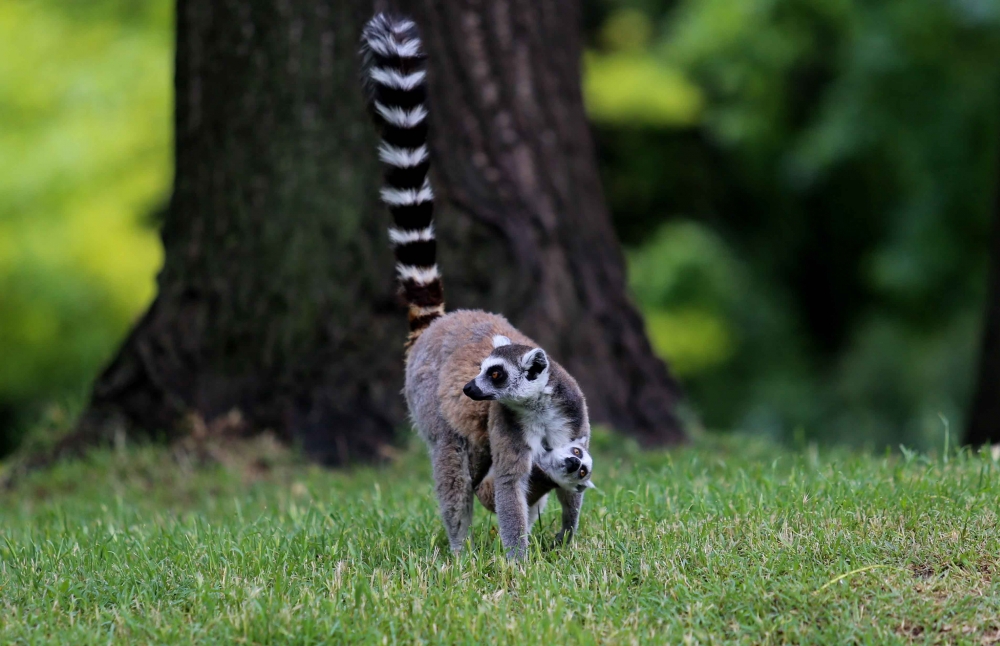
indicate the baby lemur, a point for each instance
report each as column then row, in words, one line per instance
column 568, row 467
column 489, row 403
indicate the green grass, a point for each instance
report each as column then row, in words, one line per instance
column 729, row 541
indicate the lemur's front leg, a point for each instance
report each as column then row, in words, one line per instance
column 511, row 469
column 571, row 502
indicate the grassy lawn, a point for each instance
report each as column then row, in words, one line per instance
column 728, row 541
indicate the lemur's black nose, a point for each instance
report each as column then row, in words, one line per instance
column 572, row 463
column 472, row 391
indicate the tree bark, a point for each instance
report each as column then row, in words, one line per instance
column 984, row 415
column 276, row 304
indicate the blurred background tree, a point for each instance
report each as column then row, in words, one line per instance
column 804, row 188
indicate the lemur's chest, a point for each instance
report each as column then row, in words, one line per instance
column 545, row 427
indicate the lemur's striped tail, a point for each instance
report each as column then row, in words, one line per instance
column 396, row 88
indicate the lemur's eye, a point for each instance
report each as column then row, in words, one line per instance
column 496, row 374
column 583, row 472
column 577, row 452
column 546, row 445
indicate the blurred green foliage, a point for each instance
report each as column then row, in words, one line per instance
column 624, row 83
column 810, row 247
column 85, row 111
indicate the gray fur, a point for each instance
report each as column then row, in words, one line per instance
column 453, row 486
column 512, row 466
column 534, row 421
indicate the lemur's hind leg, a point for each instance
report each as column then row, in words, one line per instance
column 453, row 485
column 571, row 502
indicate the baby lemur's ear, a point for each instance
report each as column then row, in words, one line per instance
column 500, row 340
column 535, row 362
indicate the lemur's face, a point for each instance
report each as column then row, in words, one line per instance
column 512, row 373
column 569, row 466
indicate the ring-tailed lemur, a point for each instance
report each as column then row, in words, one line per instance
column 478, row 416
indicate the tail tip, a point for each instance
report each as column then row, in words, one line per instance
column 391, row 36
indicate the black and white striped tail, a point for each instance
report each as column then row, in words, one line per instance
column 394, row 80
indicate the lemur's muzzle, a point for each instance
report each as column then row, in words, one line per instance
column 473, row 391
column 572, row 463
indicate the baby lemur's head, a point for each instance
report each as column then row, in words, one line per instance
column 569, row 466
column 511, row 373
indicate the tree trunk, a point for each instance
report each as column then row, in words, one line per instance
column 984, row 417
column 276, row 304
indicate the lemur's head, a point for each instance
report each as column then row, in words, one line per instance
column 512, row 373
column 570, row 466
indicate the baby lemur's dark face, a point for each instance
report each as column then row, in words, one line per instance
column 569, row 466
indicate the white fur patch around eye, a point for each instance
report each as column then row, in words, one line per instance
column 492, row 361
column 500, row 340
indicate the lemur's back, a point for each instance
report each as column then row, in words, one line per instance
column 443, row 359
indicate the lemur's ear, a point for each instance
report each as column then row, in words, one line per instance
column 500, row 340
column 535, row 362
